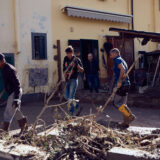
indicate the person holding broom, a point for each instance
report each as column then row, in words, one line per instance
column 123, row 85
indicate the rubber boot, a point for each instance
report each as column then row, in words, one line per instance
column 128, row 117
column 23, row 124
column 5, row 127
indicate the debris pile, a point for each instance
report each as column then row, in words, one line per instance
column 82, row 138
column 79, row 138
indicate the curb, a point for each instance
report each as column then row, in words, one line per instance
column 118, row 153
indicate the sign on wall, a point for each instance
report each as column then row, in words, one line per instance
column 38, row 77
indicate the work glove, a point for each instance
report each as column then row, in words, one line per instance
column 16, row 103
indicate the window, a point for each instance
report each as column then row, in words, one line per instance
column 39, row 46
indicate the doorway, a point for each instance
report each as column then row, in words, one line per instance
column 81, row 48
column 126, row 49
column 89, row 46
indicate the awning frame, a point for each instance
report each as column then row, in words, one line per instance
column 97, row 14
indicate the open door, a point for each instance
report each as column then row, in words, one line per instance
column 126, row 48
column 89, row 46
column 81, row 48
column 95, row 50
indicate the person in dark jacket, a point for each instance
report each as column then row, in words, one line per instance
column 91, row 73
column 123, row 85
column 13, row 88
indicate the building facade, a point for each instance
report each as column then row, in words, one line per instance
column 32, row 33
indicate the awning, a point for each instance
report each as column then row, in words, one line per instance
column 125, row 33
column 96, row 14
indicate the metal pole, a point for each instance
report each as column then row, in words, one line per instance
column 59, row 60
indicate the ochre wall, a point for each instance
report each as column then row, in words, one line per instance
column 144, row 20
column 85, row 28
column 18, row 18
column 7, row 34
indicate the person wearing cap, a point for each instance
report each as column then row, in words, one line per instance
column 71, row 67
column 123, row 85
column 13, row 88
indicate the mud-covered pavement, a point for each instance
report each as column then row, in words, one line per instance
column 146, row 117
column 147, row 120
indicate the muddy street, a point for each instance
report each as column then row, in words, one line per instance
column 145, row 117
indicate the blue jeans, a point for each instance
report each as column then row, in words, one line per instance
column 71, row 88
column 92, row 80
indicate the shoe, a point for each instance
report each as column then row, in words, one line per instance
column 73, row 106
column 23, row 124
column 70, row 107
column 126, row 122
column 78, row 110
column 128, row 117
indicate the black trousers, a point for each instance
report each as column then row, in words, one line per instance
column 121, row 96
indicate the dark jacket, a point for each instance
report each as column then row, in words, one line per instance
column 67, row 61
column 91, row 67
column 11, row 81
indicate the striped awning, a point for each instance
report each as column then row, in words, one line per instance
column 96, row 14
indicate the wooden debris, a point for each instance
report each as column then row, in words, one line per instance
column 84, row 138
column 79, row 137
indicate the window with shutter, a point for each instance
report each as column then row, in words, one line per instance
column 39, row 46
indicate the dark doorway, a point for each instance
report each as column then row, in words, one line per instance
column 89, row 46
column 81, row 48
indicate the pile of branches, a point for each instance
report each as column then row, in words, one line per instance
column 83, row 138
column 79, row 138
column 86, row 139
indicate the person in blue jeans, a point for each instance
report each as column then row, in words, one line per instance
column 71, row 67
column 91, row 73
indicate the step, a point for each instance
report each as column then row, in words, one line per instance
column 118, row 153
column 20, row 152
